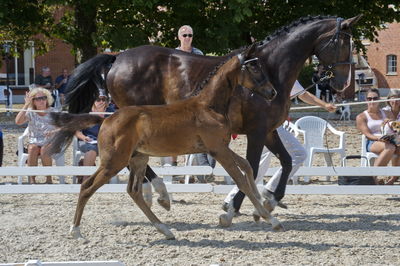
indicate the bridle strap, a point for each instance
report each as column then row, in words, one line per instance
column 335, row 41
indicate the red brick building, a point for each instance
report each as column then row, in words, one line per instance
column 24, row 69
column 383, row 56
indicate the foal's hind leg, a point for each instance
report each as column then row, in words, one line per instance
column 137, row 165
column 228, row 159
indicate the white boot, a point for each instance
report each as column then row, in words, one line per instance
column 161, row 189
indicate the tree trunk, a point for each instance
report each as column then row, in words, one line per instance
column 85, row 16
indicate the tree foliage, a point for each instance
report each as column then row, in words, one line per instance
column 219, row 25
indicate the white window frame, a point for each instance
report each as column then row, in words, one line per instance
column 391, row 64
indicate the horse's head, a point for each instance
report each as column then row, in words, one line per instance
column 253, row 76
column 334, row 51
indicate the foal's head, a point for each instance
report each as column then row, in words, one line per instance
column 252, row 75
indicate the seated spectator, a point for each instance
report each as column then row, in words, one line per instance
column 87, row 138
column 369, row 123
column 61, row 84
column 392, row 111
column 39, row 127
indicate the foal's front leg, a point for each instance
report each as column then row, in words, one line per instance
column 137, row 165
column 88, row 188
column 228, row 159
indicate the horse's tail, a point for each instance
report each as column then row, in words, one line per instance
column 86, row 80
column 67, row 125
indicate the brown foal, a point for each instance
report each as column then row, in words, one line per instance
column 194, row 125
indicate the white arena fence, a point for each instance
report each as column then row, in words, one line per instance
column 168, row 172
column 68, row 263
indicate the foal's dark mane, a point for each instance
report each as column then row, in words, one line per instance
column 199, row 88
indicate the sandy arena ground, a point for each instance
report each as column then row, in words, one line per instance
column 329, row 230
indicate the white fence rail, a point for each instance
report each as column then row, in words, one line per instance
column 202, row 170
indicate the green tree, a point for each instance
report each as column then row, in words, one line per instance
column 219, row 25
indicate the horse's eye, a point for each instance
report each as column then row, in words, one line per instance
column 254, row 68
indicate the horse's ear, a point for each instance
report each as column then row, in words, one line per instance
column 348, row 23
column 250, row 50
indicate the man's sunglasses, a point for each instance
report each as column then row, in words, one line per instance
column 187, row 35
column 41, row 98
column 101, row 99
column 372, row 98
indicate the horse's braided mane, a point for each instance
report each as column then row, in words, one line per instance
column 210, row 75
column 287, row 28
column 274, row 35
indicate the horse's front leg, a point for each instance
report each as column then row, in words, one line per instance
column 255, row 144
column 291, row 154
column 137, row 165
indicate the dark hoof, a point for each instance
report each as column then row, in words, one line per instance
column 278, row 228
column 166, row 204
column 282, row 205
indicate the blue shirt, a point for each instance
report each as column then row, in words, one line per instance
column 194, row 50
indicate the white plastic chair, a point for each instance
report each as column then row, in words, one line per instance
column 23, row 156
column 369, row 155
column 313, row 129
column 292, row 128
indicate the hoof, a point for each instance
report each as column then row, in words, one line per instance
column 278, row 228
column 282, row 205
column 224, row 220
column 276, row 225
column 165, row 203
column 256, row 218
column 75, row 232
column 162, row 228
column 164, row 199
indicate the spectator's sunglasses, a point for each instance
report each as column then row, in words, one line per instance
column 187, row 35
column 372, row 98
column 41, row 98
column 101, row 99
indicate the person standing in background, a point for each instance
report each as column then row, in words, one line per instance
column 185, row 36
column 61, row 84
column 44, row 79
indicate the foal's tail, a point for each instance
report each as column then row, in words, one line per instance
column 67, row 125
column 86, row 80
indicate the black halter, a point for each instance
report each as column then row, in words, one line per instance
column 335, row 40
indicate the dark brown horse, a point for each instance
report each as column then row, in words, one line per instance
column 198, row 124
column 156, row 75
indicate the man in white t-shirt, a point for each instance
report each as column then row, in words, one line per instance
column 293, row 147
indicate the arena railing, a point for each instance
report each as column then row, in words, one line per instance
column 203, row 170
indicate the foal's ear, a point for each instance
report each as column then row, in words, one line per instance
column 348, row 23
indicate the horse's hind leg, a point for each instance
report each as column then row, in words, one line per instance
column 137, row 165
column 159, row 187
